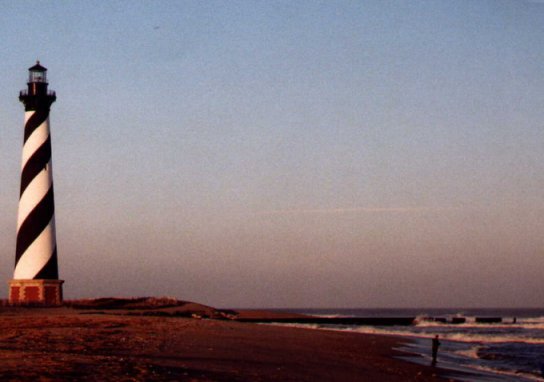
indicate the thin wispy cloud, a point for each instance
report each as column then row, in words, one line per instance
column 399, row 210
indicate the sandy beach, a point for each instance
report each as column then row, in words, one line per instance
column 162, row 345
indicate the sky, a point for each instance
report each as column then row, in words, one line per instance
column 287, row 153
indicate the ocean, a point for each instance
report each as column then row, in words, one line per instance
column 509, row 350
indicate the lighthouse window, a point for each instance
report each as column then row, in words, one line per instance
column 37, row 77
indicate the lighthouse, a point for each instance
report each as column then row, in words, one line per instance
column 36, row 277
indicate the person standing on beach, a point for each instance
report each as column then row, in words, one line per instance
column 436, row 344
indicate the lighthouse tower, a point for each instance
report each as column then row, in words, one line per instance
column 36, row 277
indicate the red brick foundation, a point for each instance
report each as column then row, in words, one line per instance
column 35, row 292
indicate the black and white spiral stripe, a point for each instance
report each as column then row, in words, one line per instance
column 36, row 249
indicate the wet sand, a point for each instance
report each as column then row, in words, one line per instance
column 162, row 345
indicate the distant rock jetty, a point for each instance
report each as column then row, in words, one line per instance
column 369, row 321
column 348, row 321
column 462, row 320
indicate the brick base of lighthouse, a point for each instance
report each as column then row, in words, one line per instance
column 35, row 292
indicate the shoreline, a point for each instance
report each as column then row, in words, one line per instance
column 126, row 344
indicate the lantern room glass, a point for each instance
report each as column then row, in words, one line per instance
column 37, row 76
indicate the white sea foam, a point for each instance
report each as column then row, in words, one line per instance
column 538, row 321
column 471, row 325
column 458, row 337
column 517, row 376
column 470, row 352
column 469, row 337
column 293, row 325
